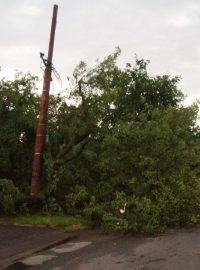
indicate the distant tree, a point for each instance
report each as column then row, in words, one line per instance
column 18, row 120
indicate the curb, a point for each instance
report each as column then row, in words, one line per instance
column 8, row 261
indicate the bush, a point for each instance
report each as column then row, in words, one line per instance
column 95, row 213
column 113, row 223
column 9, row 196
column 50, row 206
column 77, row 200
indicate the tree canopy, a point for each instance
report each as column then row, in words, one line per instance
column 121, row 150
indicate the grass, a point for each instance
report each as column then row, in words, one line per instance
column 50, row 221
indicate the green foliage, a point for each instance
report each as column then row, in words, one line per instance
column 138, row 168
column 18, row 119
column 9, row 195
column 95, row 213
column 122, row 150
column 112, row 223
column 50, row 206
column 23, row 209
column 153, row 167
column 51, row 176
column 77, row 200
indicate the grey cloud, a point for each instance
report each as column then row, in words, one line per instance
column 166, row 32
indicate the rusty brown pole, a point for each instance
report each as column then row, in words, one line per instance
column 41, row 129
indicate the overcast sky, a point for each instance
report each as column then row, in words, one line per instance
column 167, row 32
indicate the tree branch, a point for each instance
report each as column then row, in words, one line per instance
column 74, row 141
column 80, row 150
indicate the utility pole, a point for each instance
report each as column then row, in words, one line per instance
column 42, row 125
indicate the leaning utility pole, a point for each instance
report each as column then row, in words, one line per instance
column 41, row 130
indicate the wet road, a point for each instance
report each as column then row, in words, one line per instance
column 179, row 250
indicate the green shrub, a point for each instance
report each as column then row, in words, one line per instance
column 77, row 200
column 9, row 195
column 23, row 209
column 95, row 213
column 113, row 223
column 50, row 206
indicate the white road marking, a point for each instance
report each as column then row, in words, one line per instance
column 70, row 247
column 38, row 260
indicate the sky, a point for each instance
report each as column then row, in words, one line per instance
column 166, row 32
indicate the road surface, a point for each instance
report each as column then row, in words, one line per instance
column 91, row 250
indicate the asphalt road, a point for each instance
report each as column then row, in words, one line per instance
column 19, row 241
column 179, row 250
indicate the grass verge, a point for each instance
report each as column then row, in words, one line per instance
column 66, row 222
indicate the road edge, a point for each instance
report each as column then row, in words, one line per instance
column 6, row 262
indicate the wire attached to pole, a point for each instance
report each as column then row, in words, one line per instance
column 44, row 61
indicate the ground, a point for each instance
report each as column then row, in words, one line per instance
column 92, row 250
